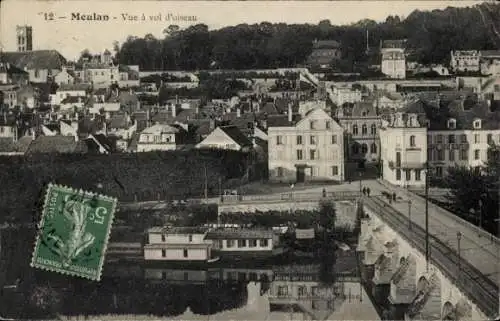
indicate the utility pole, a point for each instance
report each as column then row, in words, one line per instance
column 409, row 214
column 459, row 236
column 427, row 215
column 206, row 181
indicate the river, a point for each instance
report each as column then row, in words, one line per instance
column 299, row 288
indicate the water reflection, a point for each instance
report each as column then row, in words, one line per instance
column 315, row 288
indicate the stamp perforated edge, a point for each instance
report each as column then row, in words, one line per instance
column 51, row 187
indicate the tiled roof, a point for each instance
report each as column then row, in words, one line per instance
column 185, row 115
column 160, row 128
column 236, row 135
column 7, row 145
column 326, row 44
column 11, row 69
column 360, row 107
column 73, row 100
column 88, row 126
column 36, row 59
column 162, row 117
column 490, row 53
column 118, row 121
column 393, row 44
column 281, row 120
column 220, row 234
column 269, row 108
column 56, row 144
column 73, row 87
column 24, row 143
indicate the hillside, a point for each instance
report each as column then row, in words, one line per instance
column 431, row 36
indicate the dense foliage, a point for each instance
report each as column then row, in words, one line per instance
column 474, row 192
column 141, row 176
column 431, row 36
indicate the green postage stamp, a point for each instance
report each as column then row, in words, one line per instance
column 73, row 232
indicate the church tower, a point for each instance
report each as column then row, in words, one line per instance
column 24, row 38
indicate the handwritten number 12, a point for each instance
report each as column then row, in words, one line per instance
column 49, row 16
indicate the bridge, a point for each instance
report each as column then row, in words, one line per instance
column 460, row 280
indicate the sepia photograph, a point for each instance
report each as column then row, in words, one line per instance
column 249, row 160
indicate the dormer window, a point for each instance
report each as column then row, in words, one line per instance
column 477, row 124
column 452, row 123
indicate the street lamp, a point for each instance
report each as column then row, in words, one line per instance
column 409, row 214
column 459, row 236
column 427, row 253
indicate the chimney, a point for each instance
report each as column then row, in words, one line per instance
column 290, row 114
column 174, row 110
column 238, row 112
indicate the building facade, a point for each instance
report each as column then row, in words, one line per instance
column 177, row 244
column 160, row 137
column 240, row 241
column 403, row 142
column 310, row 149
column 465, row 61
column 393, row 59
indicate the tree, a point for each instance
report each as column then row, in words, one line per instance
column 85, row 55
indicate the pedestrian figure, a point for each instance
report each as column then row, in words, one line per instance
column 364, row 190
column 394, row 196
column 368, row 191
column 324, row 192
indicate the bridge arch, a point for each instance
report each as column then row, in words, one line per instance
column 448, row 311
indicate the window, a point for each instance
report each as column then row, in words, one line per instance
column 364, row 149
column 476, row 139
column 398, row 174
column 496, row 88
column 282, row 290
column 373, row 148
column 334, row 139
column 364, row 129
column 439, row 171
column 242, row 243
column 463, row 138
column 37, row 73
column 185, row 253
column 477, row 124
column 440, row 155
column 429, row 139
column 190, row 238
column 312, row 154
column 264, row 243
column 279, row 140
column 355, row 149
column 312, row 140
column 327, row 124
column 477, row 154
column 163, row 238
column 463, row 155
column 302, row 290
column 451, row 124
column 408, row 174
column 412, row 141
column 279, row 172
column 252, row 243
column 299, row 154
column 312, row 124
column 451, row 155
column 299, row 140
column 229, row 243
column 354, row 129
column 398, row 159
column 314, row 171
column 451, row 139
column 439, row 139
column 373, row 129
column 417, row 175
column 489, row 138
column 163, row 253
column 335, row 170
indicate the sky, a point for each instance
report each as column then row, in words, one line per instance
column 71, row 37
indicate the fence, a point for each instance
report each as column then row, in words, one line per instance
column 292, row 196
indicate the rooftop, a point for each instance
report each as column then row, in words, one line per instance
column 36, row 59
column 160, row 128
column 236, row 135
column 177, row 230
column 239, row 233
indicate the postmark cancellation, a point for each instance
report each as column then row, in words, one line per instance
column 73, row 232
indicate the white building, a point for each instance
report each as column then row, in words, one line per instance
column 242, row 240
column 177, row 244
column 393, row 59
column 161, row 137
column 65, row 91
column 465, row 61
column 309, row 149
column 403, row 141
column 346, row 95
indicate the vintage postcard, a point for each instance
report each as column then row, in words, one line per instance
column 249, row 160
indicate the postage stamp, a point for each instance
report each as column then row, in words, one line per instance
column 73, row 232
